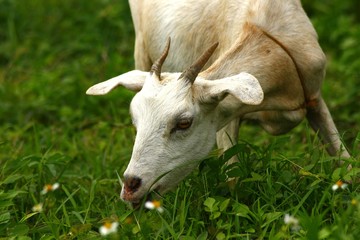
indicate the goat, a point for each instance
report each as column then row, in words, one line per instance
column 268, row 67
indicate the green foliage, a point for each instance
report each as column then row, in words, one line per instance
column 50, row 131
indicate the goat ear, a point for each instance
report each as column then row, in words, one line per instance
column 244, row 86
column 133, row 80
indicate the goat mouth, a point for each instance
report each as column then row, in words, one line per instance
column 137, row 204
column 150, row 196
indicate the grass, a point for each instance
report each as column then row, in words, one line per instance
column 50, row 131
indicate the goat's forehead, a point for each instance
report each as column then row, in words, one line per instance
column 164, row 96
column 169, row 89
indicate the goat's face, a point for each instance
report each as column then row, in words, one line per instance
column 176, row 119
column 173, row 130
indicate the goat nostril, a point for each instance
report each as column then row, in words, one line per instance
column 132, row 184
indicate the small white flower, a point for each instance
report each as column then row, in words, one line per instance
column 154, row 205
column 292, row 222
column 48, row 187
column 108, row 228
column 339, row 184
column 38, row 207
column 288, row 219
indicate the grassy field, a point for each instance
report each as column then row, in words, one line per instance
column 51, row 132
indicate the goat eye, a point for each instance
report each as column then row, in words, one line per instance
column 183, row 124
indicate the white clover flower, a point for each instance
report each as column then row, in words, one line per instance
column 289, row 220
column 154, row 205
column 292, row 222
column 38, row 207
column 48, row 187
column 339, row 184
column 108, row 228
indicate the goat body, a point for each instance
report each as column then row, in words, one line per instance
column 274, row 46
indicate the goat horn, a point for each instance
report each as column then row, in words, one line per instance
column 156, row 67
column 191, row 73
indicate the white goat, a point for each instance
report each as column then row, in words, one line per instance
column 268, row 67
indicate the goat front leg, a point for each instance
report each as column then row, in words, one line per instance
column 321, row 121
column 142, row 59
column 227, row 137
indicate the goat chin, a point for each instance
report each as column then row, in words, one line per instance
column 152, row 195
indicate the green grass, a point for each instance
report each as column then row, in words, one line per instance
column 50, row 131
